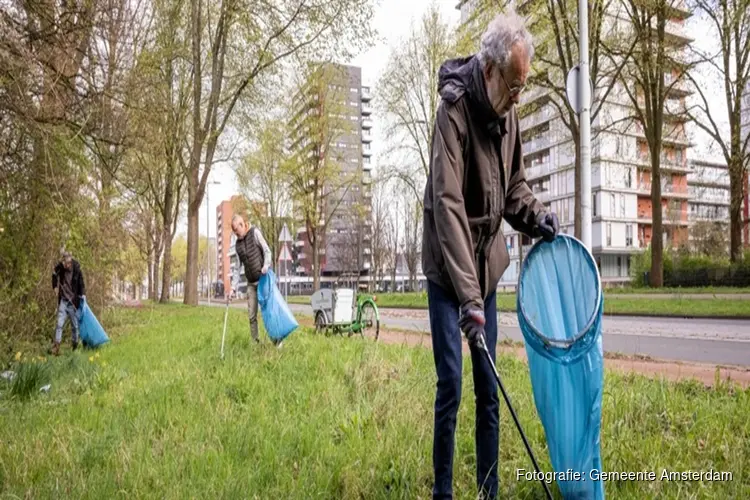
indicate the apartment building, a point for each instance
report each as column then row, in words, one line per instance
column 346, row 245
column 621, row 178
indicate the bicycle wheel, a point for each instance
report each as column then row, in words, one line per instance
column 369, row 326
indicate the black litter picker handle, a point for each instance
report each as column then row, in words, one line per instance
column 482, row 346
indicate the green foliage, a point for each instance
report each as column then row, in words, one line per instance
column 30, row 377
column 161, row 416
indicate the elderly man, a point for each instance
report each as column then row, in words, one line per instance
column 255, row 256
column 476, row 179
column 67, row 281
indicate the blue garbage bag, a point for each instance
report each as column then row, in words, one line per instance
column 560, row 305
column 91, row 332
column 277, row 318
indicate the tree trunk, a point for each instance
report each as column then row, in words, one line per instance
column 191, row 268
column 737, row 193
column 657, row 241
column 316, row 263
column 167, row 266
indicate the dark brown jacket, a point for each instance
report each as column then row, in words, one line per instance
column 476, row 178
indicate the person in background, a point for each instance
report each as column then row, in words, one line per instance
column 255, row 256
column 67, row 281
column 476, row 180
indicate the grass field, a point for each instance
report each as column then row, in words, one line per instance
column 613, row 304
column 156, row 414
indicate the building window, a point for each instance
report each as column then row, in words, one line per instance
column 619, row 265
column 609, row 234
column 612, row 205
column 629, row 235
column 593, row 205
column 622, row 205
column 628, row 177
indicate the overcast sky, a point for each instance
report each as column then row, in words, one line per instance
column 393, row 21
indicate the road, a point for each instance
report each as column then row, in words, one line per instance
column 716, row 341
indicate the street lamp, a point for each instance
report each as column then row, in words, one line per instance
column 208, row 239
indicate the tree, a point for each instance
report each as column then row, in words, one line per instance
column 657, row 114
column 319, row 183
column 709, row 238
column 262, row 176
column 408, row 93
column 251, row 39
column 380, row 229
column 412, row 239
column 554, row 25
column 729, row 24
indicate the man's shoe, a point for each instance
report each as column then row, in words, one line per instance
column 55, row 349
column 75, row 345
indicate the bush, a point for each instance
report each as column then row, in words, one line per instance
column 685, row 269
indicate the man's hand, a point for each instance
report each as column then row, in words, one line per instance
column 548, row 226
column 472, row 323
column 264, row 270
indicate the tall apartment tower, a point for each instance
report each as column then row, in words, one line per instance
column 347, row 245
column 620, row 171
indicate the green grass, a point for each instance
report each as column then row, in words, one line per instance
column 158, row 415
column 613, row 304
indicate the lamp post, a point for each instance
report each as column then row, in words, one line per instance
column 208, row 240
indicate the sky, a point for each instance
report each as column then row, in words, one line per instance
column 392, row 21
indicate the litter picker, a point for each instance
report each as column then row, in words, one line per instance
column 482, row 345
column 226, row 313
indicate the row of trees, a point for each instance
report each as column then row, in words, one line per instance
column 635, row 60
column 112, row 116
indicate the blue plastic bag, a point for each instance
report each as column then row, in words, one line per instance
column 277, row 318
column 560, row 305
column 91, row 332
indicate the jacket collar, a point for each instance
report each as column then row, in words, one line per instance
column 478, row 95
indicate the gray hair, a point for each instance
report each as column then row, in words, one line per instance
column 66, row 256
column 502, row 34
column 235, row 218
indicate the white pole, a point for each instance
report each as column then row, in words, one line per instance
column 584, row 120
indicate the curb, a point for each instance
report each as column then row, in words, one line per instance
column 631, row 315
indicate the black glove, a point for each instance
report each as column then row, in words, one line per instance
column 471, row 323
column 548, row 226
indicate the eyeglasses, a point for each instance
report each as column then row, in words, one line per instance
column 513, row 91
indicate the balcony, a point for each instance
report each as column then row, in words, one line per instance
column 665, row 165
column 538, row 170
column 366, row 137
column 366, row 109
column 667, row 218
column 667, row 190
column 366, row 124
column 366, row 153
column 677, row 34
column 544, row 114
column 536, row 144
column 366, row 95
column 533, row 94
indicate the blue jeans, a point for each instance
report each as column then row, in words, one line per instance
column 446, row 348
column 66, row 309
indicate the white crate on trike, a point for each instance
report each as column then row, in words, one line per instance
column 343, row 310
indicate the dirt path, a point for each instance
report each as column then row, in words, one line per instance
column 654, row 368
